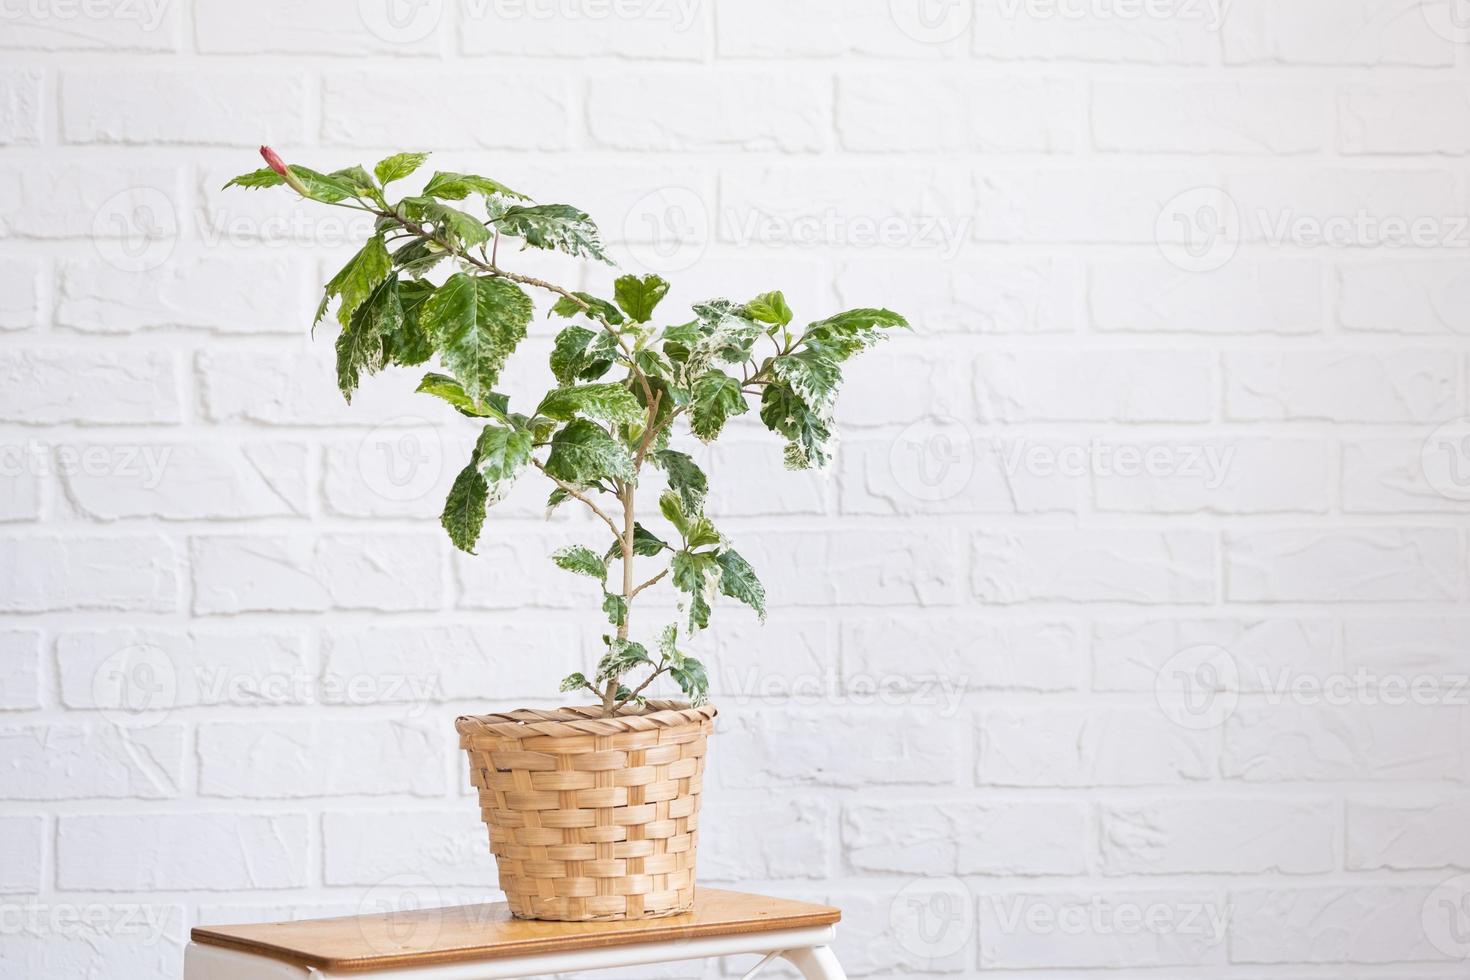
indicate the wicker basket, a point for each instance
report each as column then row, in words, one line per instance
column 590, row 817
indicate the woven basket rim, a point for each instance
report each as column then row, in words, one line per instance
column 584, row 720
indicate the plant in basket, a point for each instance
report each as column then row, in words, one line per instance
column 593, row 811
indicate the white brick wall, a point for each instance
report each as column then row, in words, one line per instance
column 1127, row 637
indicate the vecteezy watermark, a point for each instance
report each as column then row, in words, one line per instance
column 933, row 918
column 933, row 459
column 1198, row 230
column 139, row 685
column 141, row 925
column 1098, row 915
column 136, row 229
column 143, row 465
column 1450, row 19
column 678, row 14
column 1198, row 688
column 940, row 692
column 402, row 459
column 1208, row 464
column 932, row 21
column 1209, row 13
column 401, row 21
column 667, row 230
column 404, row 912
column 1445, row 459
column 147, row 14
column 1201, row 688
column 223, row 226
column 1445, row 917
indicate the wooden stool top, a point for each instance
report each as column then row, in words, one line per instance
column 427, row 937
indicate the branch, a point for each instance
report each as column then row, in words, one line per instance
column 653, row 581
column 574, row 492
column 639, row 689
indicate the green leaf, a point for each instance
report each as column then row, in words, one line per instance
column 574, row 682
column 556, row 499
column 672, row 508
column 612, row 403
column 476, row 323
column 500, row 453
column 668, row 639
column 806, row 430
column 701, row 533
column 560, row 227
column 451, row 224
column 582, row 354
column 813, row 374
column 723, row 332
column 584, row 453
column 464, row 511
column 361, row 346
column 616, row 608
column 845, row 334
column 770, row 308
column 692, row 679
column 594, row 307
column 694, row 572
column 685, row 477
column 256, row 179
column 645, row 543
column 582, row 560
column 715, row 398
column 321, row 187
column 410, row 344
column 640, row 297
column 851, row 321
column 362, row 274
column 419, row 256
column 621, row 657
column 456, row 187
column 451, row 391
column 398, row 166
column 358, row 179
column 738, row 581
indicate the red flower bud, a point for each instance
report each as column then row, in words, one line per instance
column 274, row 161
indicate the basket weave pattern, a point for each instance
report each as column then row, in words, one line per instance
column 590, row 817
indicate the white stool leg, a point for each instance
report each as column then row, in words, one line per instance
column 815, row 963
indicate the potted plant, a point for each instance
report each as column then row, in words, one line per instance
column 593, row 811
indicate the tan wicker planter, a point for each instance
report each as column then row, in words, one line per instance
column 589, row 817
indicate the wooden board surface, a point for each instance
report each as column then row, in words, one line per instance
column 481, row 932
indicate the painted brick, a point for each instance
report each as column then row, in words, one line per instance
column 861, row 748
column 880, row 112
column 1093, row 566
column 187, row 480
column 641, row 29
column 1060, row 386
column 1217, row 117
column 397, row 108
column 257, row 760
column 219, row 294
column 1374, row 924
column 42, row 386
column 1401, row 296
column 1323, row 32
column 431, row 849
column 69, row 762
column 969, row 292
column 185, row 668
column 1303, row 738
column 963, row 653
column 1219, row 475
column 20, row 106
column 1178, row 32
column 325, row 27
column 1406, row 836
column 1342, row 386
column 385, row 572
column 946, row 837
column 216, row 108
column 1277, row 296
column 117, row 573
column 142, row 27
column 1130, row 654
column 20, row 304
column 735, row 848
column 20, row 670
column 1095, row 204
column 20, row 854
column 202, row 851
column 1425, row 117
column 1227, row 835
column 1349, row 565
column 726, row 110
column 867, row 27
column 105, row 202
column 1386, row 476
column 1082, row 747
